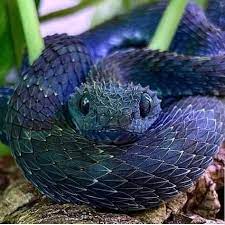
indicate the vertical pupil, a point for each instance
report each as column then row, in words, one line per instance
column 84, row 105
column 145, row 105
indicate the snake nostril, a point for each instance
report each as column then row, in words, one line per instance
column 125, row 120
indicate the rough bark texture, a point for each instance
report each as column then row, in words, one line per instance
column 21, row 203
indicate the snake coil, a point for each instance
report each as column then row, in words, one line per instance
column 85, row 127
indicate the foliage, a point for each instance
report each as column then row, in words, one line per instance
column 11, row 37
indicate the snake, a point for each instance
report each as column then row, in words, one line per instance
column 100, row 119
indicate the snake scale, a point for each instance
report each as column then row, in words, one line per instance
column 99, row 119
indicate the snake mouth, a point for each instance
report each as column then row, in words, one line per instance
column 112, row 136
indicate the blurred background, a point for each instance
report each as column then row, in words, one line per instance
column 88, row 14
column 72, row 24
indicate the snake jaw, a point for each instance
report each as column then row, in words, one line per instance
column 112, row 136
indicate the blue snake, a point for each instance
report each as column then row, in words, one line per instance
column 99, row 119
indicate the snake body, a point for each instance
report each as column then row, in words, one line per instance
column 100, row 119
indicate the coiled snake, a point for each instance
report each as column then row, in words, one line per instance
column 100, row 119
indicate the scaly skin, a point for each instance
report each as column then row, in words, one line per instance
column 83, row 130
column 215, row 11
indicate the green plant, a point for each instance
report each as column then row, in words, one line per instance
column 168, row 25
column 31, row 28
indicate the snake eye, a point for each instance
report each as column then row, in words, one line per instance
column 84, row 105
column 145, row 105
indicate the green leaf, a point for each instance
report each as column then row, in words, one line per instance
column 6, row 53
column 11, row 37
column 168, row 25
column 2, row 18
column 4, row 150
column 17, row 35
column 31, row 27
column 37, row 3
column 6, row 56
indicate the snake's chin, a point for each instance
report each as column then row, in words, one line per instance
column 112, row 136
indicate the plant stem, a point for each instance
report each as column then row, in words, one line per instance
column 16, row 31
column 168, row 25
column 65, row 12
column 127, row 4
column 29, row 17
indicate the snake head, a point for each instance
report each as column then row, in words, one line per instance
column 113, row 113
